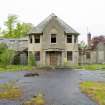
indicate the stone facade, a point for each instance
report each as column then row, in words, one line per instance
column 54, row 53
column 18, row 45
column 55, row 43
column 94, row 53
column 100, row 53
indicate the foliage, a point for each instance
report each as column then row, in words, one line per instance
column 3, row 47
column 10, row 91
column 10, row 24
column 95, row 90
column 82, row 45
column 6, row 57
column 1, row 32
column 15, row 68
column 95, row 40
column 16, row 60
column 15, row 28
column 31, row 59
column 92, row 67
column 38, row 100
column 22, row 29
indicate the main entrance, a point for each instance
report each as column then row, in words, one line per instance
column 54, row 57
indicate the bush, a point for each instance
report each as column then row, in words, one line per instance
column 3, row 46
column 6, row 58
column 31, row 59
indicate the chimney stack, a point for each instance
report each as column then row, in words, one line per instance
column 89, row 39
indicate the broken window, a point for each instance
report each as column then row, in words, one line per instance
column 69, row 38
column 37, row 55
column 69, row 55
column 30, row 38
column 37, row 38
column 53, row 38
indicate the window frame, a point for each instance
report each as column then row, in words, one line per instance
column 88, row 55
column 69, row 38
column 30, row 39
column 37, row 38
column 70, row 56
column 37, row 55
column 51, row 39
column 75, row 39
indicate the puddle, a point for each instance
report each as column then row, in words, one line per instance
column 59, row 87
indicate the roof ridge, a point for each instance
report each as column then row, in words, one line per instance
column 39, row 28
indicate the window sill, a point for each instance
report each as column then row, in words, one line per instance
column 36, row 43
column 53, row 43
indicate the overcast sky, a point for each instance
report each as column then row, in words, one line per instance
column 79, row 14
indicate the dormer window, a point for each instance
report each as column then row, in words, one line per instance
column 69, row 38
column 53, row 38
column 37, row 38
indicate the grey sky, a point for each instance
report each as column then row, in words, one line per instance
column 79, row 14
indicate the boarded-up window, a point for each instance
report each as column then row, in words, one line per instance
column 37, row 38
column 30, row 38
column 69, row 55
column 53, row 38
column 69, row 38
column 37, row 55
column 88, row 55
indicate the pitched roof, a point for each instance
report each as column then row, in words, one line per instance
column 39, row 28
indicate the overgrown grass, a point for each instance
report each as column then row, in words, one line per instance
column 27, row 67
column 95, row 90
column 92, row 67
column 38, row 100
column 10, row 91
column 15, row 68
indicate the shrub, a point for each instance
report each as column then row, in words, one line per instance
column 3, row 46
column 6, row 58
column 31, row 59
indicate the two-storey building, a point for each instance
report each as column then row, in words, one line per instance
column 53, row 42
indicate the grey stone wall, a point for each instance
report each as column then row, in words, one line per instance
column 15, row 44
column 53, row 28
column 100, row 53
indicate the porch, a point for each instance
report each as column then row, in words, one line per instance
column 53, row 58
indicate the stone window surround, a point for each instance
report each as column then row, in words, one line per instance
column 69, row 55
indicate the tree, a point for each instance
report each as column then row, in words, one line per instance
column 22, row 29
column 10, row 25
column 15, row 28
column 26, row 28
column 95, row 40
column 82, row 45
column 0, row 32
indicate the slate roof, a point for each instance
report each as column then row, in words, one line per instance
column 39, row 28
